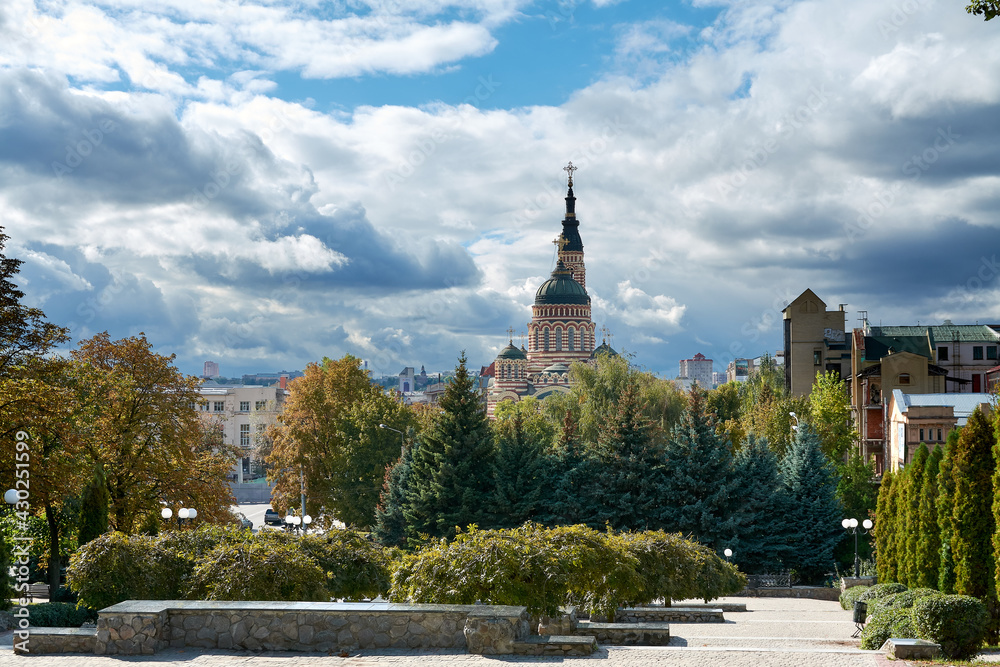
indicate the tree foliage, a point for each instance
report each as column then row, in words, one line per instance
column 988, row 9
column 928, row 555
column 973, row 525
column 830, row 415
column 760, row 506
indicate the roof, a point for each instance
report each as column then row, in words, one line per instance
column 603, row 348
column 561, row 288
column 511, row 352
column 964, row 404
column 944, row 333
column 557, row 368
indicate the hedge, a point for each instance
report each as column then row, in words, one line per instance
column 59, row 615
column 887, row 623
column 904, row 600
column 957, row 622
column 879, row 591
column 851, row 595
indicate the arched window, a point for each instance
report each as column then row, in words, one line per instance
column 546, row 339
column 559, row 339
column 572, row 339
column 536, row 339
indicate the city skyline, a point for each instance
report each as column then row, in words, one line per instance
column 265, row 184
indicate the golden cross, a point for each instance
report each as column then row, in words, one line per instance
column 510, row 334
column 561, row 241
column 569, row 169
column 523, row 335
column 605, row 334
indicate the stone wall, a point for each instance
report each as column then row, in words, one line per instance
column 670, row 615
column 811, row 592
column 58, row 640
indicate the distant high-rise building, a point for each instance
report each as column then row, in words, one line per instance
column 718, row 378
column 698, row 369
column 211, row 370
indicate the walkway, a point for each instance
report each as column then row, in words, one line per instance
column 774, row 632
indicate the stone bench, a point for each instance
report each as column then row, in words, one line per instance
column 670, row 615
column 726, row 607
column 626, row 634
column 911, row 649
column 555, row 645
column 146, row 626
column 56, row 640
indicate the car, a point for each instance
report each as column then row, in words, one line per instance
column 244, row 521
column 272, row 518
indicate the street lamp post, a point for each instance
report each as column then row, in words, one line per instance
column 851, row 526
column 728, row 553
column 10, row 496
column 796, row 418
column 293, row 522
column 184, row 513
column 389, row 428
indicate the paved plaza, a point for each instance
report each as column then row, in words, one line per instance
column 773, row 632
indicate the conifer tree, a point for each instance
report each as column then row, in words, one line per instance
column 760, row 507
column 858, row 493
column 928, row 557
column 812, row 512
column 631, row 468
column 94, row 503
column 701, row 496
column 971, row 541
column 945, row 505
column 897, row 538
column 885, row 526
column 519, row 474
column 908, row 569
column 451, row 475
column 572, row 492
column 390, row 523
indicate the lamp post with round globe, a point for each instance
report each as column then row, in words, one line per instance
column 184, row 513
column 851, row 526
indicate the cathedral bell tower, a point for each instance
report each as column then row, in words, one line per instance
column 569, row 242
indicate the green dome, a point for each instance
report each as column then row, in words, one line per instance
column 511, row 352
column 561, row 288
column 603, row 348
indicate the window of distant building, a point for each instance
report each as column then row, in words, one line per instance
column 977, row 352
column 942, row 354
column 559, row 339
column 546, row 340
column 260, row 405
column 977, row 385
column 991, row 352
column 219, row 406
column 939, row 435
column 921, row 435
column 244, row 435
column 244, row 406
column 572, row 339
column 817, row 358
column 904, row 378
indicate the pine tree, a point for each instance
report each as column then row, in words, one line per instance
column 812, row 513
column 756, row 468
column 885, row 525
column 93, row 509
column 945, row 505
column 971, row 542
column 390, row 524
column 519, row 474
column 572, row 496
column 908, row 568
column 702, row 494
column 451, row 476
column 631, row 468
column 928, row 556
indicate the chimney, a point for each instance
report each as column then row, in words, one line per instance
column 283, row 381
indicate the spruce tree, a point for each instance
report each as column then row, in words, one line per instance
column 971, row 541
column 945, row 505
column 928, row 556
column 702, row 494
column 451, row 475
column 519, row 475
column 885, row 526
column 812, row 513
column 756, row 467
column 572, row 493
column 390, row 523
column 908, row 568
column 93, row 520
column 631, row 468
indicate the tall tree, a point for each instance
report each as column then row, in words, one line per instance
column 573, row 492
column 93, row 509
column 858, row 494
column 945, row 508
column 760, row 507
column 328, row 442
column 972, row 513
column 885, row 526
column 908, row 567
column 451, row 477
column 812, row 511
column 830, row 415
column 701, row 494
column 520, row 470
column 146, row 435
column 390, row 523
column 929, row 533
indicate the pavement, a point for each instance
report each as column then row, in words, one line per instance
column 773, row 632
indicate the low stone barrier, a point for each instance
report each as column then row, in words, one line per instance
column 670, row 615
column 811, row 592
column 911, row 649
column 145, row 626
column 563, row 645
column 626, row 634
column 59, row 640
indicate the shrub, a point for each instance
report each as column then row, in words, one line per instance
column 59, row 615
column 851, row 595
column 116, row 567
column 879, row 591
column 355, row 566
column 956, row 622
column 903, row 600
column 887, row 623
column 265, row 569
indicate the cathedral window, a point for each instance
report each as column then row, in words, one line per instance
column 559, row 339
column 546, row 339
column 572, row 339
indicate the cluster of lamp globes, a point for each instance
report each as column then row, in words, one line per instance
column 182, row 513
column 298, row 520
column 853, row 523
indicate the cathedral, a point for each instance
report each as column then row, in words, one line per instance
column 560, row 332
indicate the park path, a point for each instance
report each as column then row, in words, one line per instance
column 774, row 632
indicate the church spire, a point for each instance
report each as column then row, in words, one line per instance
column 570, row 198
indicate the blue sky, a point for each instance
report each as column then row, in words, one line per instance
column 263, row 183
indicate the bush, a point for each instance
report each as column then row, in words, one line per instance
column 956, row 622
column 265, row 569
column 851, row 595
column 887, row 623
column 879, row 591
column 59, row 615
column 903, row 600
column 355, row 566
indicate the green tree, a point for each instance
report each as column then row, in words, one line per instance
column 988, row 9
column 885, row 524
column 812, row 511
column 858, row 494
column 928, row 555
column 390, row 523
column 973, row 524
column 93, row 509
column 519, row 473
column 908, row 568
column 830, row 415
column 451, row 477
column 945, row 510
column 329, row 434
column 573, row 496
column 760, row 507
column 701, row 493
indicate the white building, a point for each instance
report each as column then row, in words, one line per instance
column 697, row 370
column 244, row 413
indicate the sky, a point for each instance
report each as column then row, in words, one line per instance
column 264, row 183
